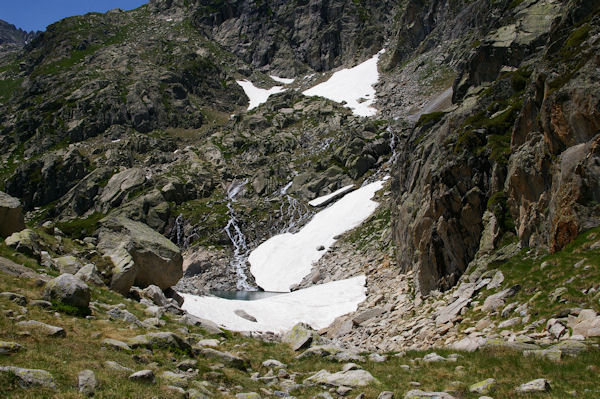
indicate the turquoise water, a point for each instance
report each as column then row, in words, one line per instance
column 244, row 295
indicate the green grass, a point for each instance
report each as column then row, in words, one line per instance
column 81, row 349
column 81, row 228
column 363, row 237
column 431, row 119
column 487, row 132
column 8, row 88
column 558, row 271
column 70, row 309
column 497, row 205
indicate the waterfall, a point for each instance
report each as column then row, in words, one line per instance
column 392, row 145
column 238, row 239
column 293, row 212
column 179, row 232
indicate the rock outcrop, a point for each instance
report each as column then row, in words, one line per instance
column 25, row 241
column 69, row 290
column 519, row 147
column 11, row 215
column 140, row 255
column 294, row 39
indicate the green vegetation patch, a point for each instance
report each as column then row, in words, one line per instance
column 498, row 206
column 428, row 120
column 489, row 130
column 70, row 309
column 576, row 268
column 8, row 87
column 80, row 228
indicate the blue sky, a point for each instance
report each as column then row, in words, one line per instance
column 37, row 14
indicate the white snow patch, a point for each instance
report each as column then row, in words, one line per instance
column 353, row 85
column 284, row 260
column 257, row 95
column 322, row 200
column 318, row 306
column 285, row 81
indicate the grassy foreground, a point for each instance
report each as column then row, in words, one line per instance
column 82, row 349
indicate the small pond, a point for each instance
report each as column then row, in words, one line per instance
column 244, row 295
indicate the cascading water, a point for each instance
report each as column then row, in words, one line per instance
column 292, row 211
column 392, row 145
column 178, row 230
column 181, row 237
column 238, row 239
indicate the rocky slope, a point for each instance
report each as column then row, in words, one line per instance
column 144, row 348
column 488, row 122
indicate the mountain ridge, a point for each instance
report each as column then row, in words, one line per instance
column 11, row 35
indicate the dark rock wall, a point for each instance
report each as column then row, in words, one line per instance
column 291, row 37
column 524, row 147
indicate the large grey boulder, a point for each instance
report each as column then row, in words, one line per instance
column 86, row 380
column 69, row 290
column 123, row 315
column 210, row 326
column 115, row 344
column 166, row 340
column 496, row 301
column 175, row 379
column 27, row 378
column 68, row 264
column 16, row 298
column 469, row 344
column 89, row 274
column 9, row 347
column 26, row 242
column 145, row 376
column 301, row 336
column 119, row 186
column 156, row 295
column 349, row 378
column 140, row 255
column 418, row 394
column 537, row 385
column 587, row 324
column 111, row 365
column 367, row 315
column 450, row 312
column 11, row 215
column 46, row 329
column 227, row 358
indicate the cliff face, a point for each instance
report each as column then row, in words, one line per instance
column 290, row 38
column 516, row 157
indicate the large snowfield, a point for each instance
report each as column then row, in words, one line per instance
column 317, row 306
column 285, row 259
column 352, row 85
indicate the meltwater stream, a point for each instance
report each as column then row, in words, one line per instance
column 243, row 295
column 293, row 211
column 238, row 239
